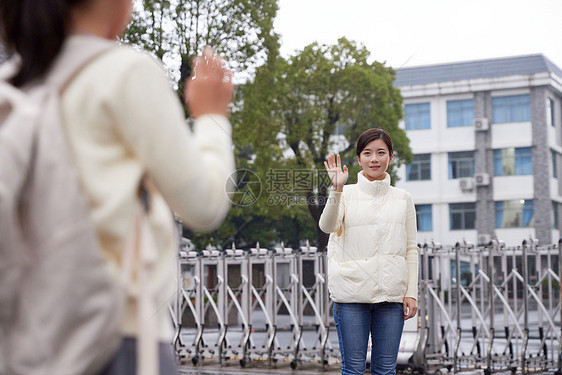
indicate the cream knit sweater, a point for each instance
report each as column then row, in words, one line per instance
column 124, row 120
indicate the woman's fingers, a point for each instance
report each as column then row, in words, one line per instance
column 206, row 60
column 197, row 62
column 210, row 89
column 410, row 308
column 331, row 161
column 334, row 163
column 209, row 65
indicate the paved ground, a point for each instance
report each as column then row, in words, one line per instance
column 309, row 370
column 217, row 370
column 280, row 369
column 210, row 366
column 261, row 368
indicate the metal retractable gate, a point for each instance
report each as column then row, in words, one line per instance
column 260, row 304
column 490, row 307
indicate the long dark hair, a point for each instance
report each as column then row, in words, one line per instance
column 35, row 30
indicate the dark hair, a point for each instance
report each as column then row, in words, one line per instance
column 370, row 135
column 35, row 30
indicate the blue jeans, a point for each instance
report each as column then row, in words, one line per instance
column 355, row 321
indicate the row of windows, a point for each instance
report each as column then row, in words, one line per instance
column 507, row 162
column 509, row 214
column 505, row 109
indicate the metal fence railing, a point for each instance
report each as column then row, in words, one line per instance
column 490, row 307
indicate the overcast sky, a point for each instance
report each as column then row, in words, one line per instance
column 422, row 32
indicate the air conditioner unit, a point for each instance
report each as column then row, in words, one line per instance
column 484, row 239
column 482, row 179
column 481, row 123
column 466, row 184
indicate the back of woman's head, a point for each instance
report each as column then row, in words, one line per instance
column 35, row 30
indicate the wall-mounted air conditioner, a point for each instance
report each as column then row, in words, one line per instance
column 466, row 184
column 481, row 123
column 482, row 179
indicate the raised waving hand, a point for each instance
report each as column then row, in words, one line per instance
column 337, row 175
column 209, row 90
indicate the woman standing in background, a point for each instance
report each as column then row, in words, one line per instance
column 372, row 257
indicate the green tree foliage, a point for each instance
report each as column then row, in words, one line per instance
column 240, row 30
column 178, row 30
column 293, row 109
column 284, row 119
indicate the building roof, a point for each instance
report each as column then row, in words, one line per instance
column 490, row 68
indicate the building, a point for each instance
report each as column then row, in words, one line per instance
column 487, row 142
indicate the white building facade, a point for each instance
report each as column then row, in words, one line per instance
column 487, row 142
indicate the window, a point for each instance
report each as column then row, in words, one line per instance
column 461, row 164
column 513, row 161
column 420, row 169
column 515, row 108
column 514, row 214
column 554, row 215
column 424, row 217
column 466, row 273
column 460, row 113
column 462, row 216
column 550, row 111
column 554, row 164
column 417, row 116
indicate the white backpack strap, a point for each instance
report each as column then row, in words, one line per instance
column 141, row 250
column 147, row 349
column 66, row 261
column 18, row 127
column 76, row 53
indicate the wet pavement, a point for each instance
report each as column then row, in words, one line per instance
column 261, row 367
column 307, row 369
column 217, row 370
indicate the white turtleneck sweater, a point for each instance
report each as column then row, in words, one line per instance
column 372, row 251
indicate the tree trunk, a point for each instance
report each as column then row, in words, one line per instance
column 322, row 240
column 316, row 212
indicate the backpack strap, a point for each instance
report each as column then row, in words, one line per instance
column 64, row 270
column 77, row 52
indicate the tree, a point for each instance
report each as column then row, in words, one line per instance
column 240, row 30
column 298, row 110
column 177, row 30
column 285, row 117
